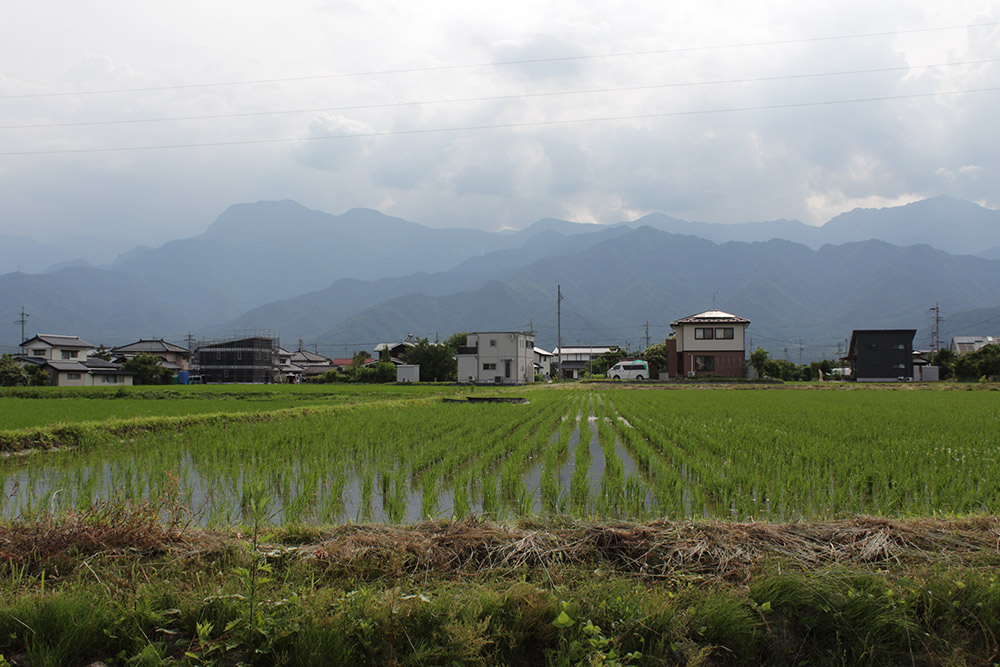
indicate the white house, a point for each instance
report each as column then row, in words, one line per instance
column 576, row 359
column 500, row 357
column 57, row 348
column 543, row 362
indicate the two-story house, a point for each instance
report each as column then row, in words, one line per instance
column 172, row 357
column 67, row 361
column 881, row 355
column 709, row 343
column 57, row 348
column 501, row 357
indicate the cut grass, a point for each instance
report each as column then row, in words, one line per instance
column 128, row 591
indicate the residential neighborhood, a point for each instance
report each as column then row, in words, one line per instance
column 705, row 345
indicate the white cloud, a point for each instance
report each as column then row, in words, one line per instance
column 809, row 162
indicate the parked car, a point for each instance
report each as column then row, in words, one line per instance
column 629, row 370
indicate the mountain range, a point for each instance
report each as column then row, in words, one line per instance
column 344, row 282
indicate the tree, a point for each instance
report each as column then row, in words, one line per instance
column 436, row 360
column 759, row 359
column 983, row 363
column 657, row 357
column 945, row 361
column 359, row 359
column 601, row 364
column 149, row 369
column 36, row 376
column 11, row 373
column 457, row 340
column 102, row 353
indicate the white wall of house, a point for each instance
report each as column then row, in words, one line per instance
column 73, row 379
column 41, row 350
column 508, row 356
column 687, row 338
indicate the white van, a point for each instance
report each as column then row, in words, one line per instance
column 629, row 370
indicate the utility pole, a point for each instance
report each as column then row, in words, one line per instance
column 23, row 321
column 800, row 352
column 647, row 333
column 559, row 299
column 936, row 329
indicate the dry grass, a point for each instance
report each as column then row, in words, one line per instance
column 105, row 528
column 656, row 549
column 663, row 548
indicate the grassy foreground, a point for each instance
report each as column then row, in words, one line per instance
column 121, row 585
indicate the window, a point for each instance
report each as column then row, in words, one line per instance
column 704, row 333
column 40, row 353
column 72, row 376
column 493, row 342
column 489, row 367
column 68, row 354
column 704, row 364
column 724, row 333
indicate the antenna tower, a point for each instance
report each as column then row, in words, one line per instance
column 559, row 298
column 23, row 321
column 936, row 328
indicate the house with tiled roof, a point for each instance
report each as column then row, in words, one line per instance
column 172, row 357
column 712, row 342
column 69, row 363
column 963, row 345
column 52, row 347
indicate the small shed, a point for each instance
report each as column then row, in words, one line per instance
column 407, row 373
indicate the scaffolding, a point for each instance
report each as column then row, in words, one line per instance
column 249, row 357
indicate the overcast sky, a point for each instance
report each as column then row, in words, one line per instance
column 146, row 120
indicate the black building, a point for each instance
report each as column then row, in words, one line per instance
column 881, row 355
column 246, row 360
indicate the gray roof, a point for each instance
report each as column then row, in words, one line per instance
column 153, row 345
column 966, row 344
column 310, row 357
column 55, row 340
column 711, row 317
column 67, row 366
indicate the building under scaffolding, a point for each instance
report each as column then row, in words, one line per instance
column 251, row 359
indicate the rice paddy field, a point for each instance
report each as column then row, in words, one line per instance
column 589, row 524
column 588, row 452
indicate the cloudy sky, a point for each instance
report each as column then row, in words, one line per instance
column 145, row 120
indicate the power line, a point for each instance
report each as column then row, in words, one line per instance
column 505, row 63
column 501, row 126
column 492, row 98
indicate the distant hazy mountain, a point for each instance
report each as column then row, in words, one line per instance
column 355, row 276
column 790, row 292
column 316, row 312
column 99, row 306
column 949, row 224
column 257, row 253
column 21, row 253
